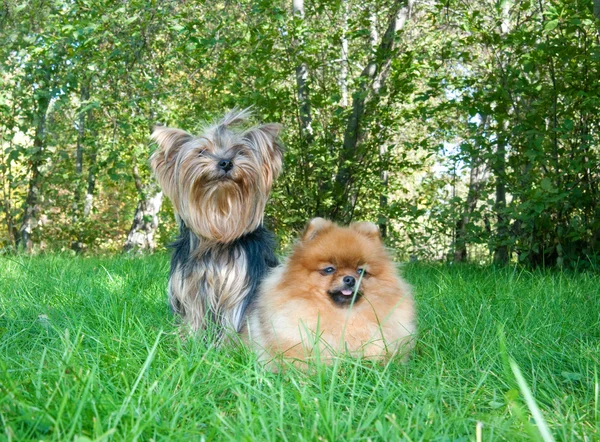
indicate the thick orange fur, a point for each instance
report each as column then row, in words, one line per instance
column 295, row 316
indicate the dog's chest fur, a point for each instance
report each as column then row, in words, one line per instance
column 215, row 283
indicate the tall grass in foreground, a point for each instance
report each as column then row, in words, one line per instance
column 88, row 351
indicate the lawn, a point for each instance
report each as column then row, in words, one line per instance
column 89, row 351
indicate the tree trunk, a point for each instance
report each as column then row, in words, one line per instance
column 77, row 245
column 344, row 56
column 31, row 209
column 501, row 253
column 306, row 130
column 11, row 228
column 145, row 219
column 383, row 147
column 7, row 205
column 383, row 197
column 477, row 178
column 88, row 204
column 370, row 83
column 501, row 250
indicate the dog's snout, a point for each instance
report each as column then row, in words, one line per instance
column 225, row 165
column 349, row 281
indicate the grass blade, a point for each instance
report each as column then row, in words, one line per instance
column 531, row 404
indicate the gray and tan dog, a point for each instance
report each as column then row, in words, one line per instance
column 219, row 183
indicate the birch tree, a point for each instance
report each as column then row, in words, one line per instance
column 370, row 82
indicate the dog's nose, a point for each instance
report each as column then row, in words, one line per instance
column 349, row 281
column 225, row 165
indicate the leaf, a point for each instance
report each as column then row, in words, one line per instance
column 547, row 185
column 496, row 404
column 551, row 25
column 571, row 377
column 511, row 395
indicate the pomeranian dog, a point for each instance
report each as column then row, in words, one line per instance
column 338, row 293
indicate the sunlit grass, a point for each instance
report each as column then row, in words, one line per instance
column 89, row 350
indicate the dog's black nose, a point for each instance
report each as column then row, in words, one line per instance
column 349, row 281
column 225, row 165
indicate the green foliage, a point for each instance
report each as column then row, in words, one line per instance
column 506, row 87
column 530, row 72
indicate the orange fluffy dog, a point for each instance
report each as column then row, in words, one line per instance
column 338, row 292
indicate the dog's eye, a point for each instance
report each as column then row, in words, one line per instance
column 362, row 271
column 328, row 270
column 201, row 153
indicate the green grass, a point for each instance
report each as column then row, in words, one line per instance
column 89, row 350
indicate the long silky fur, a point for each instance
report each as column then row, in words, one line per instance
column 223, row 250
column 218, row 284
column 183, row 165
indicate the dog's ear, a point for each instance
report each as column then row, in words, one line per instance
column 265, row 139
column 370, row 230
column 163, row 160
column 314, row 227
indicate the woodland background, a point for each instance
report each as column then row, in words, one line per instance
column 466, row 130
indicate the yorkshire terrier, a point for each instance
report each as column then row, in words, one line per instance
column 219, row 183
